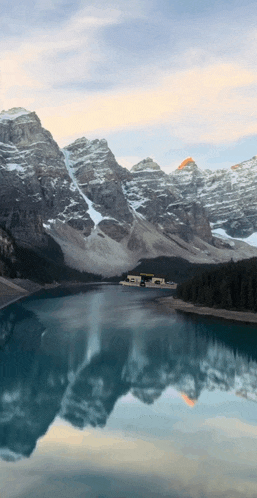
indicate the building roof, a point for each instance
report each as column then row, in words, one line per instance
column 138, row 274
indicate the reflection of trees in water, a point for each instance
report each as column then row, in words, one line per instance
column 50, row 374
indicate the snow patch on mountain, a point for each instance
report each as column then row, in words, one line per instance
column 14, row 167
column 147, row 164
column 228, row 196
column 94, row 215
column 251, row 240
column 13, row 113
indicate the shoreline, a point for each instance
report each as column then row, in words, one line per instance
column 168, row 303
column 12, row 290
column 171, row 304
column 7, row 301
column 149, row 285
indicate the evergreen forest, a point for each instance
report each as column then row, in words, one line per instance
column 231, row 286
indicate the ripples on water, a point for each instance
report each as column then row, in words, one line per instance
column 109, row 398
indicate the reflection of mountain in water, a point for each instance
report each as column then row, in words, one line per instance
column 80, row 376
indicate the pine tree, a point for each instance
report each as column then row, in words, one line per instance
column 244, row 294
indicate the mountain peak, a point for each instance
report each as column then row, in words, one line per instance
column 246, row 164
column 189, row 161
column 147, row 164
column 83, row 142
column 13, row 113
column 235, row 166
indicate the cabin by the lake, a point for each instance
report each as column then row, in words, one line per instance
column 147, row 280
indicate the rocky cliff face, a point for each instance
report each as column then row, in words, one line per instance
column 152, row 193
column 100, row 217
column 228, row 196
column 97, row 175
column 7, row 250
column 35, row 183
column 7, row 254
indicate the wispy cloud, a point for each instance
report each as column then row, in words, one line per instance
column 198, row 105
column 200, row 463
column 105, row 67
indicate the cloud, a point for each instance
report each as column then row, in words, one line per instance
column 15, row 79
column 48, row 58
column 138, row 38
column 198, row 105
column 110, row 67
column 104, row 462
column 13, row 72
column 20, row 20
column 232, row 427
column 49, row 4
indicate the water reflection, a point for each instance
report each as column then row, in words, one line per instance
column 75, row 356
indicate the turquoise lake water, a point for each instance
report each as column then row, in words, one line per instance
column 102, row 395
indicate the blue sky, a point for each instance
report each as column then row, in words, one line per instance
column 165, row 79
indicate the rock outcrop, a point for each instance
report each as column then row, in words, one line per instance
column 35, row 184
column 152, row 193
column 228, row 196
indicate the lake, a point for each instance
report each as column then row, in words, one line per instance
column 103, row 395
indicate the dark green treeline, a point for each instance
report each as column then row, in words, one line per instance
column 230, row 286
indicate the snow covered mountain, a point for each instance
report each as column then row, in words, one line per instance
column 228, row 196
column 93, row 215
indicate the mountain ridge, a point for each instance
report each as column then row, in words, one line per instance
column 103, row 218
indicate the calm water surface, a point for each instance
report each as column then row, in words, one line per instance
column 104, row 396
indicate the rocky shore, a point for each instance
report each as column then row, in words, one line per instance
column 12, row 290
column 172, row 304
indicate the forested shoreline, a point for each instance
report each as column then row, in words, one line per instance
column 231, row 286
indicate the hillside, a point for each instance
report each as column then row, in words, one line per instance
column 231, row 286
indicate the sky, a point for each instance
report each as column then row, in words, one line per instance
column 165, row 79
column 207, row 451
